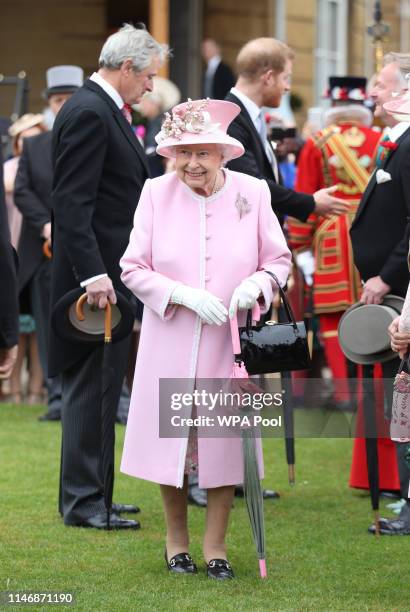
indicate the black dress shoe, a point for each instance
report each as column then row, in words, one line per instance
column 52, row 415
column 197, row 496
column 219, row 569
column 99, row 521
column 181, row 563
column 391, row 527
column 127, row 508
column 267, row 493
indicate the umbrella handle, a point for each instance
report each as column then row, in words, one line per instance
column 79, row 311
column 47, row 249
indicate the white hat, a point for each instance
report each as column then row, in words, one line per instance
column 25, row 122
column 63, row 79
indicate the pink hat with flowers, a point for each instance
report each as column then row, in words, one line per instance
column 400, row 108
column 199, row 122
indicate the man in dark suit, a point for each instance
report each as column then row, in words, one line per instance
column 99, row 171
column 8, row 295
column 218, row 77
column 264, row 68
column 32, row 195
column 380, row 246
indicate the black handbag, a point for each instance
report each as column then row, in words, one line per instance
column 274, row 347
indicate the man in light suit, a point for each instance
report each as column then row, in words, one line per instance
column 8, row 295
column 380, row 246
column 32, row 195
column 99, row 171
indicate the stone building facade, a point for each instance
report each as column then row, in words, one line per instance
column 327, row 36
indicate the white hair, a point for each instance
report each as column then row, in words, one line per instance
column 223, row 149
column 403, row 66
column 132, row 43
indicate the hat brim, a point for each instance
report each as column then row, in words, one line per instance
column 368, row 359
column 61, row 89
column 393, row 301
column 232, row 147
column 68, row 328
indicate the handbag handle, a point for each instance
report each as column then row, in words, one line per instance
column 285, row 302
column 236, row 343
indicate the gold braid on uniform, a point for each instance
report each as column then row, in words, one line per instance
column 320, row 142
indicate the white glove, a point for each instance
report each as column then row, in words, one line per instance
column 307, row 264
column 244, row 296
column 205, row 304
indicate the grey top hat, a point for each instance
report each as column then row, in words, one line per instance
column 363, row 335
column 63, row 79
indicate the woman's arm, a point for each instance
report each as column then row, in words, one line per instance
column 152, row 288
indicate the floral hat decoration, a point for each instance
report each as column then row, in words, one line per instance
column 199, row 122
column 400, row 108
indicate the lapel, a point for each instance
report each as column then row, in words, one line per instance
column 245, row 118
column 372, row 182
column 121, row 121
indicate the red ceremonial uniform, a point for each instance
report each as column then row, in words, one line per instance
column 342, row 154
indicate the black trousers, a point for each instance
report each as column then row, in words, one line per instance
column 81, row 486
column 40, row 302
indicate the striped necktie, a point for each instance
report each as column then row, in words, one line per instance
column 381, row 151
column 127, row 113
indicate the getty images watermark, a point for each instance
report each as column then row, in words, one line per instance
column 276, row 407
column 216, row 407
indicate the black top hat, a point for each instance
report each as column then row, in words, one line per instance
column 347, row 88
column 90, row 330
column 362, row 332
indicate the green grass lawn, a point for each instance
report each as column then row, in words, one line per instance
column 319, row 554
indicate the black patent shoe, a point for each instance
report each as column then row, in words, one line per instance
column 219, row 569
column 181, row 563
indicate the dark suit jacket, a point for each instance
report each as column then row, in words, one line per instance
column 8, row 293
column 99, row 172
column 32, row 195
column 378, row 232
column 222, row 81
column 256, row 163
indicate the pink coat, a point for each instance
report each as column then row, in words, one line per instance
column 212, row 243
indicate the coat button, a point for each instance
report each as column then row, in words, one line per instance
column 207, row 256
column 208, row 213
column 207, row 278
column 207, row 237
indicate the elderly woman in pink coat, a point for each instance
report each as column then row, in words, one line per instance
column 203, row 237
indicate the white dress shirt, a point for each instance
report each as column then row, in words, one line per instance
column 398, row 130
column 255, row 114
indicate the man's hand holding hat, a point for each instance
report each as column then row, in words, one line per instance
column 374, row 290
column 100, row 291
